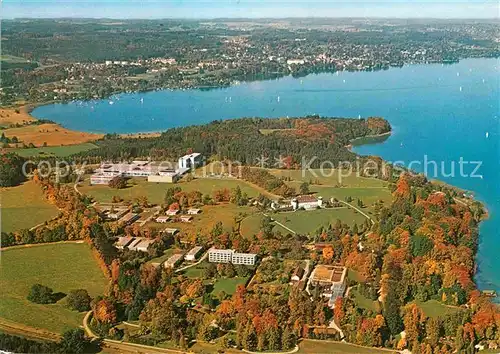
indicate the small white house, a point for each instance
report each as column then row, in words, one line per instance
column 162, row 219
column 186, row 218
column 172, row 212
column 194, row 211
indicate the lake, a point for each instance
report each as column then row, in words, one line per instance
column 439, row 113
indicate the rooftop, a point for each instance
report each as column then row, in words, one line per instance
column 306, row 199
column 194, row 250
column 325, row 273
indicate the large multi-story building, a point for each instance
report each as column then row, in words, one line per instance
column 230, row 256
column 190, row 161
column 219, row 256
column 244, row 258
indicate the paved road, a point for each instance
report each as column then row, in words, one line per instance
column 18, row 329
column 124, row 347
column 280, row 224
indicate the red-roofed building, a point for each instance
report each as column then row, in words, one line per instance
column 307, row 202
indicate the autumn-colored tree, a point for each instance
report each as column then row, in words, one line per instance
column 104, row 311
column 402, row 187
column 328, row 253
column 413, row 323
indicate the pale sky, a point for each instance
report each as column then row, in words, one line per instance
column 249, row 8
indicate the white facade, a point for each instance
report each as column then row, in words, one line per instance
column 244, row 258
column 190, row 161
column 193, row 253
column 307, row 202
column 163, row 178
column 230, row 256
column 162, row 219
column 103, row 178
column 220, row 256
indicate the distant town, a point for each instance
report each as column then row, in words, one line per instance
column 204, row 54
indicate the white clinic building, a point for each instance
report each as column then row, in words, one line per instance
column 231, row 256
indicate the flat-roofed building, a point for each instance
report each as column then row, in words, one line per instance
column 162, row 219
column 173, row 260
column 190, row 161
column 133, row 244
column 193, row 254
column 123, row 242
column 244, row 258
column 144, row 245
column 219, row 256
column 331, row 280
column 128, row 218
column 186, row 218
column 194, row 211
column 116, row 213
column 171, row 231
column 172, row 212
column 165, row 177
column 103, row 178
column 230, row 256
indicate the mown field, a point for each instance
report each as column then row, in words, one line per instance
column 59, row 151
column 62, row 267
column 303, row 222
column 39, row 134
column 24, row 206
column 329, row 177
column 337, row 184
column 155, row 192
column 435, row 309
column 308, row 346
column 364, row 302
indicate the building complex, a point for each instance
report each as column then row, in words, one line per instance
column 154, row 172
column 231, row 256
column 331, row 281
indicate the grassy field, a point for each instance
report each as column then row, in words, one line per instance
column 211, row 215
column 156, row 191
column 325, row 347
column 12, row 59
column 228, row 285
column 38, row 134
column 329, row 177
column 60, row 151
column 166, row 255
column 63, row 267
column 303, row 222
column 365, row 303
column 196, row 271
column 24, row 206
column 434, row 308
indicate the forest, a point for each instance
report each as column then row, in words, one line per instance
column 247, row 141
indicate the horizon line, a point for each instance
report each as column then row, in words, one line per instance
column 252, row 18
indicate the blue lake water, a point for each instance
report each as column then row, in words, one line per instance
column 438, row 113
